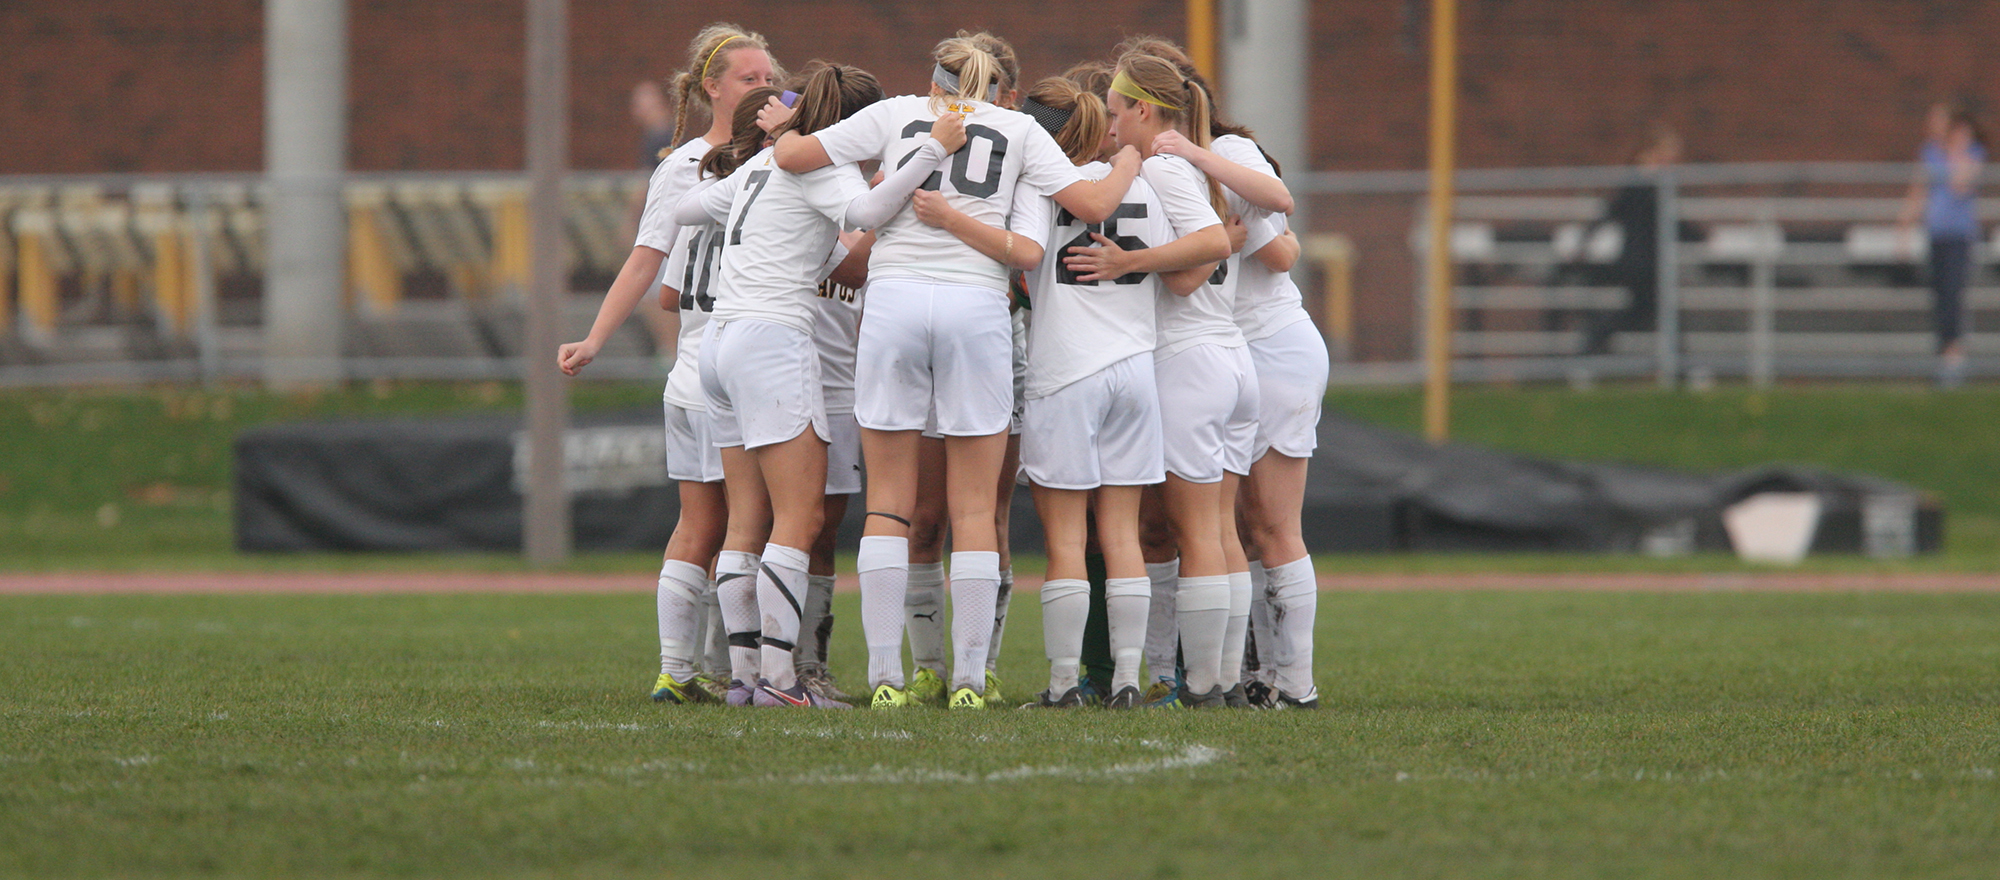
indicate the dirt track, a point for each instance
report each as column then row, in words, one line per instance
column 460, row 582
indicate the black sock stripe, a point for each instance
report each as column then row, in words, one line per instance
column 743, row 640
column 726, row 577
column 906, row 523
column 780, row 644
column 786, row 591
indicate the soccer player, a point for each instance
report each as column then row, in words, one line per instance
column 937, row 335
column 1207, row 388
column 725, row 63
column 760, row 368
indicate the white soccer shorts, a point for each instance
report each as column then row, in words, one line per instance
column 1101, row 430
column 1020, row 327
column 762, row 384
column 1208, row 411
column 843, row 455
column 1291, row 386
column 925, row 343
column 690, row 455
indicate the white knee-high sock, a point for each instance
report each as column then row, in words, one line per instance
column 1126, row 602
column 817, row 625
column 678, row 603
column 884, row 564
column 1237, row 630
column 924, row 605
column 736, row 589
column 781, row 593
column 1202, row 607
column 1294, row 606
column 1257, row 662
column 714, row 635
column 1162, row 630
column 1000, row 617
column 1065, row 609
column 975, row 587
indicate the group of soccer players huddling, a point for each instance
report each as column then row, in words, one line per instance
column 1081, row 281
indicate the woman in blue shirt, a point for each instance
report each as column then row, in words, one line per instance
column 1942, row 192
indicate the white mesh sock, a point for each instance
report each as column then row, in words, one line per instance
column 1126, row 601
column 781, row 591
column 1294, row 605
column 1162, row 631
column 924, row 604
column 714, row 636
column 1000, row 617
column 817, row 625
column 884, row 562
column 736, row 589
column 1257, row 662
column 1237, row 629
column 1202, row 608
column 975, row 587
column 1065, row 609
column 678, row 603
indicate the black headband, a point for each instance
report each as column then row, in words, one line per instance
column 1051, row 119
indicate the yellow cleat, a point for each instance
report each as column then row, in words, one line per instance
column 667, row 690
column 926, row 687
column 965, row 698
column 994, row 695
column 890, row 697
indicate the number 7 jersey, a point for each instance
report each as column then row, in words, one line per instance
column 1081, row 327
column 1002, row 148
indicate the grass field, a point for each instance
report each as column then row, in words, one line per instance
column 125, row 478
column 1465, row 735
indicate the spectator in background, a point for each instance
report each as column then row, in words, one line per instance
column 1942, row 192
column 656, row 139
column 1635, row 210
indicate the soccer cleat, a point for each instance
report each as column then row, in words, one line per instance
column 667, row 690
column 1213, row 699
column 1170, row 700
column 738, row 694
column 890, row 697
column 926, row 686
column 816, row 679
column 966, row 698
column 994, row 695
column 1309, row 701
column 1126, row 698
column 798, row 696
column 1074, row 698
column 1260, row 695
column 1162, row 688
column 716, row 687
column 1234, row 698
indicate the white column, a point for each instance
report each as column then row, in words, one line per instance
column 547, row 535
column 1264, row 73
column 305, row 160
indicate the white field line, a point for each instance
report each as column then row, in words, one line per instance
column 1187, row 757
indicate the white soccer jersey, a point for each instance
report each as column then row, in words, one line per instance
column 1206, row 315
column 671, row 179
column 1082, row 327
column 691, row 270
column 1265, row 301
column 1003, row 147
column 781, row 227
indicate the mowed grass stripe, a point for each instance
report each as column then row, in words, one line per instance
column 1465, row 735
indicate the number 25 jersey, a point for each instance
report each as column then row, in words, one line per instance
column 1002, row 148
column 1081, row 327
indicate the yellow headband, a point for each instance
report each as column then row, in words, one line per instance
column 711, row 55
column 1123, row 84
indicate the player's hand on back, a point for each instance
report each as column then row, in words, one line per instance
column 1238, row 233
column 1099, row 262
column 1173, row 143
column 932, row 207
column 949, row 130
column 1127, row 159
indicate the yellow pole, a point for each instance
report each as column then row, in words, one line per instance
column 1437, row 330
column 1201, row 36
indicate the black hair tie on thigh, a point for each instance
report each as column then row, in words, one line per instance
column 906, row 523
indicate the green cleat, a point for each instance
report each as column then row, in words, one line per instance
column 966, row 698
column 1160, row 690
column 690, row 692
column 926, row 687
column 890, row 697
column 994, row 695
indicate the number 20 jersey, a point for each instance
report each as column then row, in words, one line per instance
column 1082, row 327
column 1002, row 148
